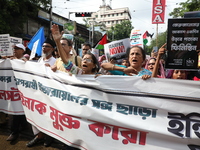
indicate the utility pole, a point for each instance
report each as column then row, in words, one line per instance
column 50, row 18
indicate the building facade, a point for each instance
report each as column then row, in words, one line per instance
column 110, row 17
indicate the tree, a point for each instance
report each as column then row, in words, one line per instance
column 120, row 31
column 162, row 39
column 189, row 5
column 14, row 13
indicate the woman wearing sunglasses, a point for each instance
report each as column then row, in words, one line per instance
column 150, row 65
column 89, row 64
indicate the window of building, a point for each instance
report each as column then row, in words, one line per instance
column 121, row 14
column 108, row 15
column 112, row 21
column 108, row 22
column 117, row 14
column 116, row 21
column 112, row 14
column 96, row 16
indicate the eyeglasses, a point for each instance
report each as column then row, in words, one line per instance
column 87, row 60
column 85, row 49
column 63, row 44
column 151, row 64
column 17, row 48
column 46, row 46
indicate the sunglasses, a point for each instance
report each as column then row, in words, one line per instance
column 87, row 60
column 151, row 64
column 17, row 48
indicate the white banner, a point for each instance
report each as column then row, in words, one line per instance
column 10, row 101
column 110, row 112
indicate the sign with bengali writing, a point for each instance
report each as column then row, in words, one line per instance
column 183, row 41
column 10, row 101
column 110, row 112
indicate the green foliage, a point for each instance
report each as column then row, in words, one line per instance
column 162, row 39
column 189, row 5
column 120, row 31
column 14, row 13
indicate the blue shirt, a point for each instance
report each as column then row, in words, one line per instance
column 141, row 73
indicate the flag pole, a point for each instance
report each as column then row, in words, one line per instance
column 157, row 34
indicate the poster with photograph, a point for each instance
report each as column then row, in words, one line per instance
column 183, row 43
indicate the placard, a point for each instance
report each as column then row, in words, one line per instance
column 182, row 44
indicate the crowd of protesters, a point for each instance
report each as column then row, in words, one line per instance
column 58, row 54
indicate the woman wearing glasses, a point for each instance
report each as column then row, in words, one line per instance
column 89, row 63
column 150, row 64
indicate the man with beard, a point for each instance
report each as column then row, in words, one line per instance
column 47, row 49
column 48, row 60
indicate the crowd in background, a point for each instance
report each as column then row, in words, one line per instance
column 58, row 53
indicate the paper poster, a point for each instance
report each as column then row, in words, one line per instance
column 136, row 38
column 5, row 45
column 117, row 49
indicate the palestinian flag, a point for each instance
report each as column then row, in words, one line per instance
column 145, row 36
column 100, row 44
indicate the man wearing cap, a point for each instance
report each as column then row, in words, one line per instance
column 17, row 120
column 47, row 49
column 18, row 52
column 48, row 60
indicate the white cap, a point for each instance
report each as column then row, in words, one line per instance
column 21, row 46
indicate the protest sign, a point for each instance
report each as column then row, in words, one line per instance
column 136, row 38
column 5, row 45
column 117, row 49
column 158, row 11
column 15, row 40
column 182, row 43
column 110, row 112
column 68, row 36
column 95, row 52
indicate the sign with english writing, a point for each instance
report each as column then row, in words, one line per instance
column 136, row 38
column 183, row 41
column 117, row 49
column 158, row 11
column 15, row 40
column 5, row 45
